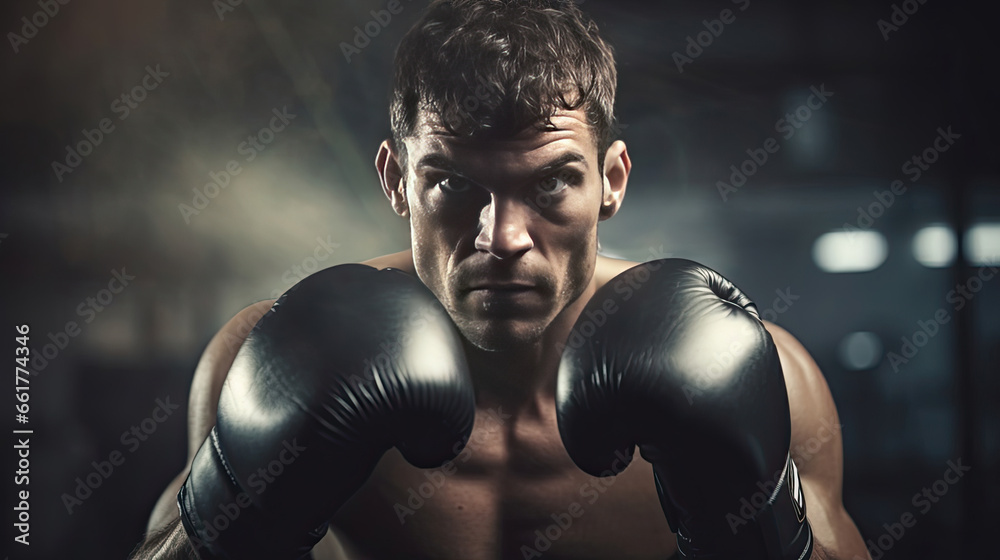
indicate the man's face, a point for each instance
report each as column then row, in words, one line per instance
column 504, row 232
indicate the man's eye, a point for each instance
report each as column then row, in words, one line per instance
column 454, row 184
column 553, row 185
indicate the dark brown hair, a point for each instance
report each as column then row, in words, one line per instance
column 491, row 68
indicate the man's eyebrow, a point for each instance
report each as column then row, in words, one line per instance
column 438, row 161
column 563, row 160
column 444, row 163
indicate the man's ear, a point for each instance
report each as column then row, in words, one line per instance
column 390, row 174
column 617, row 166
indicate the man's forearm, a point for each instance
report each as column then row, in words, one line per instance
column 169, row 543
column 822, row 553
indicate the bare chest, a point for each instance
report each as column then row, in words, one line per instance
column 512, row 492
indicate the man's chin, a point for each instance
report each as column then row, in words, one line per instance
column 501, row 336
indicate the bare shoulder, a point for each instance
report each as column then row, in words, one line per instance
column 607, row 268
column 402, row 260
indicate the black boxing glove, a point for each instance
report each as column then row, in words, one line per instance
column 347, row 364
column 684, row 368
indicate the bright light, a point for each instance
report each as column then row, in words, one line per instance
column 982, row 244
column 850, row 251
column 860, row 351
column 934, row 246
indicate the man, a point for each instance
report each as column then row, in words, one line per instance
column 503, row 161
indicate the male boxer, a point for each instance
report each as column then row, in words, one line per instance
column 503, row 161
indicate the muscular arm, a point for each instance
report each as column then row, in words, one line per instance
column 168, row 543
column 817, row 449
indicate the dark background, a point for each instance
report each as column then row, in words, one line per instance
column 119, row 208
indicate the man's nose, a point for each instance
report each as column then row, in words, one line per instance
column 503, row 228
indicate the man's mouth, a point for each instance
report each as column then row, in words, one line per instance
column 503, row 287
column 506, row 297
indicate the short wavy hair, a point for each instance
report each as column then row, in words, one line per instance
column 492, row 68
